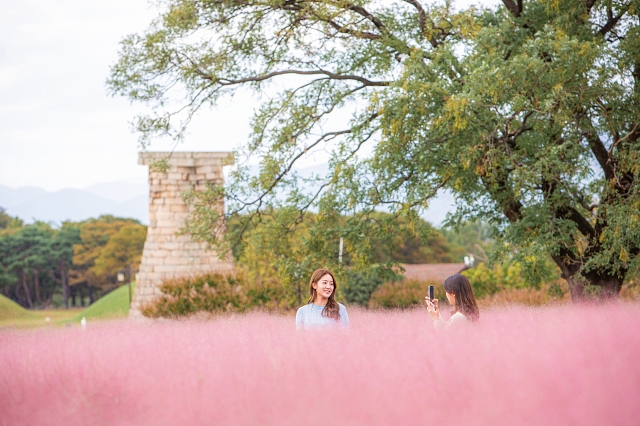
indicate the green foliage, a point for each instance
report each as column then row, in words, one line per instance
column 124, row 248
column 470, row 237
column 215, row 293
column 39, row 263
column 107, row 244
column 592, row 292
column 487, row 281
column 208, row 293
column 526, row 112
column 555, row 291
column 373, row 244
column 269, row 295
column 427, row 245
column 159, row 166
column 500, row 284
column 9, row 222
column 405, row 294
column 28, row 259
column 360, row 285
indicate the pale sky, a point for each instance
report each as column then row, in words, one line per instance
column 58, row 126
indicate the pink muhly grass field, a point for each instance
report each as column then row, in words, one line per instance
column 563, row 365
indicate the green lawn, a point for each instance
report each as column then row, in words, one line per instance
column 11, row 310
column 14, row 315
column 114, row 305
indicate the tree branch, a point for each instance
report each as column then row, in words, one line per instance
column 629, row 136
column 344, row 30
column 583, row 203
column 289, row 166
column 422, row 20
column 612, row 20
column 568, row 212
column 589, row 5
column 332, row 75
column 501, row 193
column 369, row 16
column 601, row 153
column 583, row 224
column 515, row 9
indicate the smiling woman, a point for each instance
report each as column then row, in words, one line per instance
column 322, row 309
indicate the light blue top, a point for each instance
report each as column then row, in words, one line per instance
column 310, row 317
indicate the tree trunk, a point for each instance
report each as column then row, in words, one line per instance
column 601, row 285
column 25, row 285
column 64, row 275
column 73, row 297
column 36, row 285
column 609, row 285
column 91, row 295
column 17, row 294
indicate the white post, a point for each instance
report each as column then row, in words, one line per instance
column 341, row 248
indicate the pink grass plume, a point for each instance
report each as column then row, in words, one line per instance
column 553, row 366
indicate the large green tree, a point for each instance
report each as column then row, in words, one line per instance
column 97, row 258
column 528, row 113
column 123, row 251
column 27, row 256
column 63, row 246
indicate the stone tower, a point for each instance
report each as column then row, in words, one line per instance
column 166, row 254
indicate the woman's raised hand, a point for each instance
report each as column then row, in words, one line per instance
column 432, row 307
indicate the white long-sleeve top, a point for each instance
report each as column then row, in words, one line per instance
column 310, row 316
column 455, row 321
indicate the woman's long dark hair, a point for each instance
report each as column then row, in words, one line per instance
column 332, row 309
column 465, row 300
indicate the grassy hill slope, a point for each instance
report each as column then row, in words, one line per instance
column 11, row 310
column 114, row 305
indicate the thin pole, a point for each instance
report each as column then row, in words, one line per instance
column 341, row 248
column 129, row 282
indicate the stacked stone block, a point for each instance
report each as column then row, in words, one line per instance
column 166, row 254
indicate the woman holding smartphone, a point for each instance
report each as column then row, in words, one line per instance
column 322, row 310
column 460, row 296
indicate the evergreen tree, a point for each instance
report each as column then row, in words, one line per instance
column 66, row 238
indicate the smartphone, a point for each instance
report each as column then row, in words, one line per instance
column 431, row 297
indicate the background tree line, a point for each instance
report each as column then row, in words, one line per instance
column 77, row 262
column 68, row 265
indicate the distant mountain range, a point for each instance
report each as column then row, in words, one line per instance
column 124, row 199
column 128, row 199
